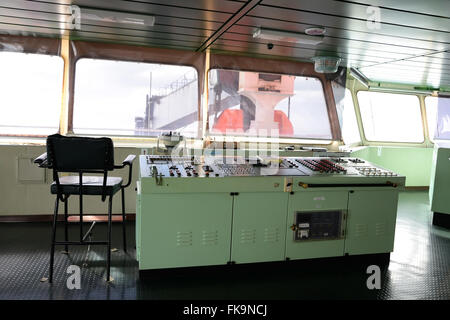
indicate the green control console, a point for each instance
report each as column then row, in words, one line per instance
column 197, row 212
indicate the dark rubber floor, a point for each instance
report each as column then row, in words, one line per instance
column 419, row 268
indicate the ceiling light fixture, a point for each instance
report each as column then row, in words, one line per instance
column 315, row 31
column 116, row 17
column 326, row 64
column 286, row 36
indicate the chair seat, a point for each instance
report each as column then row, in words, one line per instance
column 92, row 185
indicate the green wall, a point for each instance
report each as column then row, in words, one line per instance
column 412, row 162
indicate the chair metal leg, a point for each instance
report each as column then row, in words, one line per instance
column 108, row 261
column 124, row 222
column 52, row 250
column 66, row 223
column 81, row 217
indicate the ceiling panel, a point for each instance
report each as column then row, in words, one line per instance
column 411, row 45
column 300, row 53
column 413, row 77
column 248, row 24
column 341, row 45
column 348, row 23
column 145, row 35
column 161, row 21
column 161, row 30
column 358, row 11
column 431, row 7
column 186, row 24
column 156, row 9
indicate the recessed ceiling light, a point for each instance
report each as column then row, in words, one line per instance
column 315, row 31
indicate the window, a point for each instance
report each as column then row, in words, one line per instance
column 131, row 98
column 438, row 116
column 346, row 114
column 391, row 117
column 251, row 103
column 30, row 93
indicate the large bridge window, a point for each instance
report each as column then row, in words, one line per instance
column 134, row 99
column 391, row 117
column 438, row 116
column 30, row 93
column 346, row 114
column 267, row 105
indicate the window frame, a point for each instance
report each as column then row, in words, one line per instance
column 431, row 138
column 41, row 136
column 131, row 53
column 281, row 140
column 364, row 139
column 355, row 109
column 127, row 137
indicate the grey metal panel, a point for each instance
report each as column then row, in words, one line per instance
column 301, row 51
column 442, row 55
column 204, row 5
column 185, row 23
column 339, row 45
column 434, row 59
column 108, row 30
column 28, row 31
column 410, row 30
column 293, row 16
column 392, row 73
column 432, row 7
column 300, row 54
column 430, row 60
column 154, row 43
column 391, row 69
column 156, row 9
column 422, row 80
column 229, row 6
column 343, row 35
column 229, row 23
column 37, row 15
column 37, row 6
column 408, row 65
column 356, row 10
column 159, row 41
column 126, row 6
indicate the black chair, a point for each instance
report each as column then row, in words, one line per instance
column 83, row 155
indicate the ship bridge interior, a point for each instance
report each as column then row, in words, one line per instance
column 272, row 150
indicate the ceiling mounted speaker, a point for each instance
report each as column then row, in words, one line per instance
column 326, row 64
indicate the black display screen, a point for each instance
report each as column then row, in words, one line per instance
column 317, row 225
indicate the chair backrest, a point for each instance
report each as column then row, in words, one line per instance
column 74, row 154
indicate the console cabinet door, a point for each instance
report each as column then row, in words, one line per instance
column 184, row 230
column 324, row 226
column 371, row 221
column 259, row 221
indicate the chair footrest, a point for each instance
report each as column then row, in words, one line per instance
column 72, row 243
column 96, row 218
